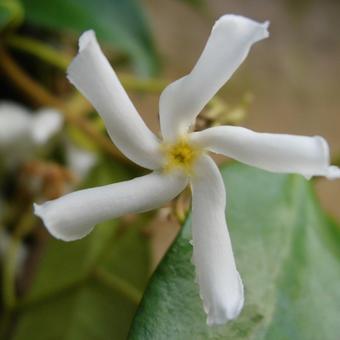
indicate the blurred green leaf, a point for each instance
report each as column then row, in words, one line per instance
column 120, row 24
column 287, row 252
column 11, row 12
column 88, row 289
column 5, row 15
column 69, row 300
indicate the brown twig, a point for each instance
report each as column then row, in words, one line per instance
column 31, row 88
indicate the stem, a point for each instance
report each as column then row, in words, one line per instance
column 25, row 226
column 8, row 284
column 60, row 60
column 42, row 97
column 32, row 89
column 39, row 50
column 117, row 284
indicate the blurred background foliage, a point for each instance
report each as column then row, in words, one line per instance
column 286, row 247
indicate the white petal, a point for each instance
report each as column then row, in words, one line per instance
column 220, row 285
column 94, row 77
column 73, row 216
column 80, row 161
column 308, row 156
column 45, row 124
column 228, row 45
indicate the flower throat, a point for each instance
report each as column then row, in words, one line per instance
column 180, row 155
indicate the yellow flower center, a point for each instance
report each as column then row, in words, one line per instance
column 180, row 155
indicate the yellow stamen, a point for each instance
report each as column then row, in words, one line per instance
column 180, row 155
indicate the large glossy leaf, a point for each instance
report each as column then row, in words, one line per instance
column 88, row 289
column 287, row 252
column 121, row 24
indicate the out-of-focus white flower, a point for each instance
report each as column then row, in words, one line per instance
column 45, row 124
column 14, row 124
column 79, row 161
column 21, row 131
column 181, row 157
column 15, row 133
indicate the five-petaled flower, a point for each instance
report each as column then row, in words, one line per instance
column 181, row 157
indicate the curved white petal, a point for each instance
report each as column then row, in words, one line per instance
column 73, row 216
column 308, row 156
column 45, row 123
column 94, row 77
column 220, row 285
column 228, row 45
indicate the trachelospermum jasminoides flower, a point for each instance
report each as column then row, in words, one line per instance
column 181, row 157
column 22, row 132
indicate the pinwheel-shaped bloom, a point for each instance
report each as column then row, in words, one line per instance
column 181, row 157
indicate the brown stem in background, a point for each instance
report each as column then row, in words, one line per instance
column 61, row 60
column 33, row 90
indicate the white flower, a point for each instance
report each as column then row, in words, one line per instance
column 22, row 132
column 181, row 157
column 79, row 161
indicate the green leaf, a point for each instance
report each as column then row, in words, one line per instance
column 11, row 13
column 287, row 253
column 88, row 289
column 120, row 24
